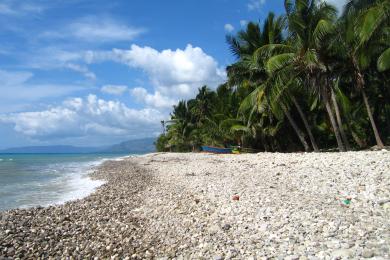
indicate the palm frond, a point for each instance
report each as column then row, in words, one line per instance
column 384, row 61
column 277, row 62
column 323, row 29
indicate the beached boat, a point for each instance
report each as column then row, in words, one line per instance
column 210, row 149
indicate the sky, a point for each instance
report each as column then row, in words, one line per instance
column 97, row 72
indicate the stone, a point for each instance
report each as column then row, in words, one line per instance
column 11, row 251
column 226, row 227
column 367, row 253
column 342, row 253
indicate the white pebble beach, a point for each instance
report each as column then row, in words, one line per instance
column 248, row 206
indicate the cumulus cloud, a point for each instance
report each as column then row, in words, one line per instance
column 174, row 74
column 80, row 117
column 255, row 5
column 94, row 30
column 114, row 89
column 229, row 28
column 156, row 99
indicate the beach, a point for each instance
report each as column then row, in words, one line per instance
column 194, row 206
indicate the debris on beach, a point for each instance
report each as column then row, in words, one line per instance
column 347, row 201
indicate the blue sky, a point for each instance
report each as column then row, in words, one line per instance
column 97, row 72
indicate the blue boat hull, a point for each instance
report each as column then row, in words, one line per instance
column 210, row 149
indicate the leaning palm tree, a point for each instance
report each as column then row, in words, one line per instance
column 310, row 22
column 366, row 38
column 250, row 69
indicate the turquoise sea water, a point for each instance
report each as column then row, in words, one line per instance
column 28, row 180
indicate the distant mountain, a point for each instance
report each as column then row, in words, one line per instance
column 132, row 147
column 51, row 149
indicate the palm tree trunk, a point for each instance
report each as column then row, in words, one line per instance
column 355, row 137
column 312, row 140
column 297, row 130
column 360, row 84
column 374, row 128
column 263, row 141
column 339, row 121
column 334, row 125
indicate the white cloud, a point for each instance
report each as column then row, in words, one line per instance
column 80, row 117
column 8, row 78
column 229, row 28
column 17, row 89
column 243, row 23
column 14, row 8
column 55, row 58
column 114, row 89
column 95, row 30
column 255, row 5
column 81, row 69
column 174, row 74
column 156, row 99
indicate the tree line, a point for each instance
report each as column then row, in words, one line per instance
column 308, row 80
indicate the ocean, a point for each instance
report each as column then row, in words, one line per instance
column 28, row 180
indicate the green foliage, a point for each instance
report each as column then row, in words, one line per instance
column 162, row 143
column 384, row 61
column 278, row 92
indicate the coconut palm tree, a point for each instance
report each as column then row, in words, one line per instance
column 310, row 22
column 366, row 37
column 250, row 69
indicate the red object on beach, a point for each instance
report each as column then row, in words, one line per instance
column 236, row 197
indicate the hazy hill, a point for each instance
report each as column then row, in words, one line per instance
column 133, row 146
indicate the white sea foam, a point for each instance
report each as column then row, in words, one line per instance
column 122, row 158
column 82, row 186
column 51, row 184
column 78, row 184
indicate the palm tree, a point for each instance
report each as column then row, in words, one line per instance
column 307, row 71
column 309, row 23
column 180, row 126
column 364, row 23
column 250, row 69
column 202, row 106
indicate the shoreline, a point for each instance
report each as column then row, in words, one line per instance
column 180, row 205
column 71, row 176
column 68, row 229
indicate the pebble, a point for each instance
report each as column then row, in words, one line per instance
column 180, row 206
column 342, row 253
column 368, row 253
